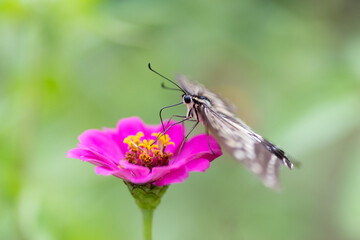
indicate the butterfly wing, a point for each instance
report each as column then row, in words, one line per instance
column 194, row 88
column 259, row 155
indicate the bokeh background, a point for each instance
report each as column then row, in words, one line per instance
column 291, row 67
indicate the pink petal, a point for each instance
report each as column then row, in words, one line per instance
column 176, row 176
column 104, row 171
column 127, row 127
column 124, row 174
column 154, row 175
column 198, row 147
column 113, row 134
column 137, row 172
column 89, row 156
column 100, row 143
column 198, row 165
column 130, row 126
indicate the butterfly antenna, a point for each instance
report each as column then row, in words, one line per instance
column 169, row 88
column 167, row 79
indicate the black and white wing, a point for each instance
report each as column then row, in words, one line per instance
column 259, row 155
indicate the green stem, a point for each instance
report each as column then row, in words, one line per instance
column 147, row 215
column 147, row 197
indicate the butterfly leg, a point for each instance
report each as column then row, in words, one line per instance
column 160, row 112
column 168, row 128
column 182, row 123
column 188, row 118
column 208, row 140
column 206, row 129
column 184, row 118
column 172, row 117
column 187, row 135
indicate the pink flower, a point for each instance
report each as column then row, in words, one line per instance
column 141, row 154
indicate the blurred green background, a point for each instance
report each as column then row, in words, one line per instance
column 291, row 67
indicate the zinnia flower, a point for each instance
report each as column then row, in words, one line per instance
column 142, row 154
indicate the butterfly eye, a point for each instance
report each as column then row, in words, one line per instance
column 187, row 99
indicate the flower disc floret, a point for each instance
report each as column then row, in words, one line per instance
column 146, row 153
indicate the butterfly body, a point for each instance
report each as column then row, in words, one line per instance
column 217, row 115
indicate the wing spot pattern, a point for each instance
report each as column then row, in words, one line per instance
column 256, row 168
column 239, row 154
column 270, row 179
column 250, row 150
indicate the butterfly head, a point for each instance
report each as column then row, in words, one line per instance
column 187, row 99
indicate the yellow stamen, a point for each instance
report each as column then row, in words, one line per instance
column 133, row 140
column 148, row 144
column 146, row 152
column 163, row 138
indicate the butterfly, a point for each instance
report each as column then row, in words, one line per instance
column 218, row 116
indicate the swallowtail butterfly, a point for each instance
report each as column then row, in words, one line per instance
column 217, row 115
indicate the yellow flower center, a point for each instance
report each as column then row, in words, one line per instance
column 148, row 153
